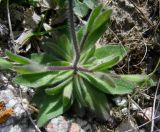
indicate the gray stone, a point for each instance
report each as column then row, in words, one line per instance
column 18, row 122
column 128, row 125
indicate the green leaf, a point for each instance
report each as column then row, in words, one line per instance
column 80, row 9
column 60, row 63
column 42, row 58
column 50, row 108
column 105, row 63
column 92, row 17
column 85, row 57
column 96, row 101
column 17, row 58
column 67, row 95
column 111, row 49
column 58, row 88
column 98, row 83
column 101, row 19
column 65, row 44
column 36, row 80
column 78, row 91
column 141, row 80
column 80, row 33
column 94, row 36
column 122, row 86
column 31, row 68
column 57, row 49
column 4, row 64
column 106, row 77
column 61, row 3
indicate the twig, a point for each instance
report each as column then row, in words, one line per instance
column 108, row 2
column 66, row 68
column 137, row 106
column 146, row 49
column 28, row 114
column 73, row 34
column 10, row 27
column 119, row 41
column 155, row 69
column 144, row 124
column 154, row 105
column 144, row 16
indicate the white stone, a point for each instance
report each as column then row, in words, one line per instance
column 19, row 110
column 10, row 87
column 125, row 111
column 11, row 103
column 120, row 101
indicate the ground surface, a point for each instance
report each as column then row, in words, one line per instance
column 134, row 23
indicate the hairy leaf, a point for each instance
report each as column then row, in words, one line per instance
column 141, row 80
column 4, row 64
column 111, row 50
column 50, row 108
column 92, row 17
column 85, row 57
column 30, row 68
column 94, row 36
column 101, row 19
column 17, row 58
column 36, row 80
column 43, row 58
column 68, row 95
column 99, row 84
column 58, row 88
column 105, row 63
column 122, row 86
column 96, row 101
column 57, row 50
column 105, row 77
column 78, row 90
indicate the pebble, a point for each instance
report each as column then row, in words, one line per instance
column 61, row 124
column 120, row 101
column 125, row 111
column 18, row 122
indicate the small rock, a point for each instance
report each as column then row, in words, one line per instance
column 19, row 110
column 120, row 101
column 124, row 111
column 74, row 128
column 146, row 115
column 6, row 95
column 18, row 122
column 128, row 125
column 3, row 78
column 59, row 124
column 11, row 103
column 9, row 86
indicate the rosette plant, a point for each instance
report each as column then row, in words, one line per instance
column 73, row 70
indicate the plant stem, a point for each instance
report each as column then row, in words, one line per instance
column 66, row 68
column 73, row 34
column 155, row 69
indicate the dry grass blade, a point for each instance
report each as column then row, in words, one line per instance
column 154, row 106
